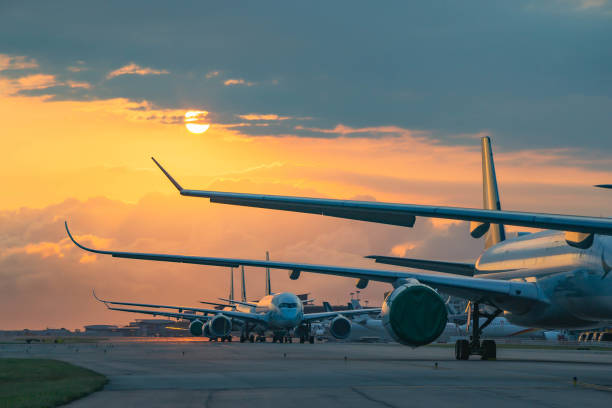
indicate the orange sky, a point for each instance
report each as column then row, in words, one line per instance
column 89, row 162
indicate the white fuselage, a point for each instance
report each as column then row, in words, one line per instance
column 574, row 285
column 281, row 311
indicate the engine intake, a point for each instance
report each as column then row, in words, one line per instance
column 414, row 314
column 195, row 327
column 220, row 326
column 340, row 327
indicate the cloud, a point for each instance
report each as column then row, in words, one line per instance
column 16, row 62
column 135, row 69
column 78, row 84
column 212, row 74
column 237, row 81
column 270, row 116
column 35, row 81
column 42, row 270
column 342, row 130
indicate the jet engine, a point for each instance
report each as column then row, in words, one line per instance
column 220, row 326
column 195, row 327
column 414, row 314
column 340, row 327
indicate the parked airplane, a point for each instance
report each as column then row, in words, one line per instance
column 550, row 279
column 279, row 313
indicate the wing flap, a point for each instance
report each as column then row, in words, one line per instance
column 455, row 268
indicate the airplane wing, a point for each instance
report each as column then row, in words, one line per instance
column 325, row 315
column 229, row 313
column 185, row 316
column 507, row 295
column 237, row 302
column 456, row 268
column 400, row 214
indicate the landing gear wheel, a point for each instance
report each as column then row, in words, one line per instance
column 242, row 338
column 489, row 350
column 252, row 338
column 311, row 339
column 302, row 339
column 229, row 339
column 289, row 340
column 462, row 350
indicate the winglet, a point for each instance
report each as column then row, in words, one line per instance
column 98, row 299
column 172, row 180
column 81, row 246
column 604, row 186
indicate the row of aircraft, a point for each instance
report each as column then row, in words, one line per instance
column 553, row 279
column 279, row 314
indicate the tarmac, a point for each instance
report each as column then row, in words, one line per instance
column 183, row 373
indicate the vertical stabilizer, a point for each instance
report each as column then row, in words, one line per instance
column 231, row 292
column 268, row 286
column 490, row 193
column 242, row 285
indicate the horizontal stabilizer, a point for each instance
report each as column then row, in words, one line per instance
column 455, row 268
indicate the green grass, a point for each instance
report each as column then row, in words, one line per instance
column 33, row 383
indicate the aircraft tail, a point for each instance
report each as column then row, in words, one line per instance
column 327, row 307
column 268, row 285
column 490, row 193
column 243, row 285
column 231, row 291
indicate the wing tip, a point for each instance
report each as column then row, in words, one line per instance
column 603, row 186
column 172, row 180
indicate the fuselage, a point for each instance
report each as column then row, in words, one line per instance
column 574, row 284
column 281, row 310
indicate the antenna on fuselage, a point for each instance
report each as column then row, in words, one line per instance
column 268, row 285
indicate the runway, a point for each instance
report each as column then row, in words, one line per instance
column 201, row 374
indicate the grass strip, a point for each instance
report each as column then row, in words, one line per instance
column 33, row 383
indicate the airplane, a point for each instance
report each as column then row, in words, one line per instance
column 556, row 278
column 500, row 327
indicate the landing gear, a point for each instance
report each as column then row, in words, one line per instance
column 487, row 348
column 252, row 338
column 302, row 339
column 311, row 339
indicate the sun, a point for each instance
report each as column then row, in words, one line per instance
column 195, row 123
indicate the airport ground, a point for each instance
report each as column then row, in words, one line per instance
column 186, row 373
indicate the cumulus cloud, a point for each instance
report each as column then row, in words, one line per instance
column 135, row 69
column 42, row 270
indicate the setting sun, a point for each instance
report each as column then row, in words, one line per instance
column 194, row 121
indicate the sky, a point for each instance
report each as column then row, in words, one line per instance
column 321, row 99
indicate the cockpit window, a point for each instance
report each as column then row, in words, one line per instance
column 288, row 305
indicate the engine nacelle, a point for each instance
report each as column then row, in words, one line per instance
column 340, row 327
column 196, row 327
column 220, row 326
column 414, row 314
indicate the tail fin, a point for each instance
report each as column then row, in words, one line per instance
column 490, row 193
column 243, row 285
column 268, row 286
column 327, row 307
column 231, row 292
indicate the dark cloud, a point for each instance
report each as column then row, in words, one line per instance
column 535, row 74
